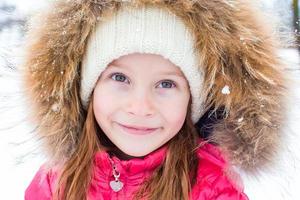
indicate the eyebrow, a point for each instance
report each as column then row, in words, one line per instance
column 173, row 73
column 116, row 66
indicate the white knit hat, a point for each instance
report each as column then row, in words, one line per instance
column 148, row 29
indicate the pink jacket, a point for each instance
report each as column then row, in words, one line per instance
column 212, row 182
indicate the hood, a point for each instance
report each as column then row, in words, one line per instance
column 243, row 74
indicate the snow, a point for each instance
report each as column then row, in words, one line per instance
column 21, row 158
column 225, row 90
column 240, row 119
column 28, row 6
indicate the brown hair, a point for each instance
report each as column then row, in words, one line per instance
column 172, row 180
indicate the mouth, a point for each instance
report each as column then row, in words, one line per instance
column 137, row 130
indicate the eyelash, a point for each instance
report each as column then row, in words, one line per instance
column 116, row 74
column 169, row 81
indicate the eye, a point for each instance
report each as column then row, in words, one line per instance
column 118, row 77
column 167, row 84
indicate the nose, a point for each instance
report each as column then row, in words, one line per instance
column 140, row 104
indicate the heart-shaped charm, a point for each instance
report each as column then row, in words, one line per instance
column 116, row 185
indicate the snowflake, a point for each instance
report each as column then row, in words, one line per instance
column 240, row 119
column 226, row 90
column 55, row 107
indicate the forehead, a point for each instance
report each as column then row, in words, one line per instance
column 148, row 62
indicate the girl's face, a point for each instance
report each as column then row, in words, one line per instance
column 145, row 91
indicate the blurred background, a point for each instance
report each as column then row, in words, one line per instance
column 20, row 156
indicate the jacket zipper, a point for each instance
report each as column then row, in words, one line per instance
column 116, row 185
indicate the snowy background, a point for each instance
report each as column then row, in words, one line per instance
column 21, row 158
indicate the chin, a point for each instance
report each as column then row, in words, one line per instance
column 137, row 153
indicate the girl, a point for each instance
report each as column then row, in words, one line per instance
column 122, row 92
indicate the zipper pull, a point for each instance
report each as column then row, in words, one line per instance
column 116, row 185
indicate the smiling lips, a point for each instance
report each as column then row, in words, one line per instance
column 136, row 130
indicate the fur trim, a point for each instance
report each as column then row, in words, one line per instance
column 236, row 50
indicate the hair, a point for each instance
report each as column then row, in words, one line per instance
column 172, row 180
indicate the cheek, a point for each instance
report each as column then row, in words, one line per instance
column 103, row 104
column 175, row 112
column 177, row 118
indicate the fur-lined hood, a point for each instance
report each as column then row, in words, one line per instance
column 237, row 52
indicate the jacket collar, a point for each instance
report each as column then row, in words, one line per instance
column 128, row 169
